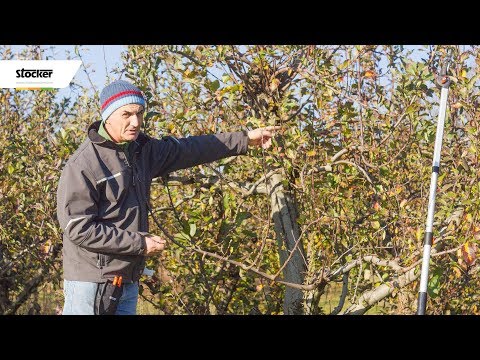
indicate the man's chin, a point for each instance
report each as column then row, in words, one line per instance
column 130, row 137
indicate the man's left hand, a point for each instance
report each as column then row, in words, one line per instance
column 262, row 136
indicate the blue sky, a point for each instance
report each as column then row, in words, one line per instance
column 99, row 60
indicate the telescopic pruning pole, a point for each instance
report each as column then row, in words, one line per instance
column 444, row 82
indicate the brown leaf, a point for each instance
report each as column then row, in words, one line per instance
column 476, row 233
column 469, row 253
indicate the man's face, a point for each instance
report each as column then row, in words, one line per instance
column 124, row 124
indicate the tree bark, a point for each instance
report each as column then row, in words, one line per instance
column 287, row 232
column 5, row 283
column 370, row 298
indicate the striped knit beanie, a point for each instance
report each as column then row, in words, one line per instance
column 118, row 94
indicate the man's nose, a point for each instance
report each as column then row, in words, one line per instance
column 135, row 120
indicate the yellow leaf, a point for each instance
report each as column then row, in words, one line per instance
column 274, row 84
column 46, row 247
column 375, row 225
column 330, row 124
column 290, row 154
column 463, row 73
column 311, row 153
column 457, row 105
column 367, row 275
column 418, row 234
column 370, row 74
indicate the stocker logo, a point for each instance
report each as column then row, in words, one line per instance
column 35, row 73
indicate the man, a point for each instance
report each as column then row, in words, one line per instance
column 103, row 194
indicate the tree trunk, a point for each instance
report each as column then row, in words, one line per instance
column 284, row 216
column 4, row 283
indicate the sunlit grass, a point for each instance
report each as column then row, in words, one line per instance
column 49, row 301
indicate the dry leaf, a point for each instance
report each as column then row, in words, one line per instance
column 468, row 253
column 457, row 105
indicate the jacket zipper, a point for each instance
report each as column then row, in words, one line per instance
column 137, row 189
column 132, row 166
column 101, row 261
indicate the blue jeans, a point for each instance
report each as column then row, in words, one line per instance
column 80, row 298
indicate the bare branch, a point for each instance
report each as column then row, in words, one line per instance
column 298, row 111
column 259, row 181
column 433, row 254
column 297, row 242
column 338, row 154
column 243, row 188
column 372, row 259
column 370, row 298
column 343, row 296
column 357, row 166
column 402, row 117
column 188, row 56
column 328, row 168
column 178, row 203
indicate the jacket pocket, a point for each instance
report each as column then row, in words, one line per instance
column 87, row 256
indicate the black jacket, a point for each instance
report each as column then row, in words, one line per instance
column 102, row 198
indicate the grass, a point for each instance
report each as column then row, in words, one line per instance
column 329, row 300
column 49, row 301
